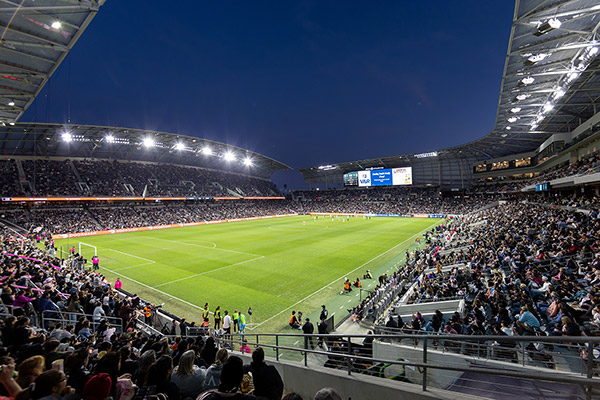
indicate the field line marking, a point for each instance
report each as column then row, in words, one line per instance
column 156, row 290
column 205, row 247
column 208, row 272
column 348, row 273
column 133, row 266
column 131, row 255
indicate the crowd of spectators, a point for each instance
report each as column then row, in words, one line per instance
column 87, row 357
column 529, row 270
column 114, row 178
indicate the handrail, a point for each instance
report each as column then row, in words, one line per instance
column 349, row 359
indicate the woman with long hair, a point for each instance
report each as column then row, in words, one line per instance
column 159, row 375
column 187, row 376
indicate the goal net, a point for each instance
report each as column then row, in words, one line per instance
column 87, row 251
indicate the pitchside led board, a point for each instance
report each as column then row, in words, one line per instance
column 379, row 177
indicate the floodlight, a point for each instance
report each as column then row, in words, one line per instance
column 515, row 109
column 207, row 150
column 523, row 96
column 179, row 146
column 508, row 128
column 148, row 142
column 548, row 107
column 559, row 93
column 572, row 76
column 512, row 119
column 11, row 123
column 109, row 138
column 67, row 137
column 527, row 80
column 535, row 58
column 228, row 156
column 11, row 103
column 545, row 27
column 247, row 161
column 56, row 25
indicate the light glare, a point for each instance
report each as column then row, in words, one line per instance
column 67, row 137
column 229, row 156
column 148, row 142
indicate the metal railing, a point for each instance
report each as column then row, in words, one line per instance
column 434, row 359
column 52, row 317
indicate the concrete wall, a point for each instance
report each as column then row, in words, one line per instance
column 306, row 381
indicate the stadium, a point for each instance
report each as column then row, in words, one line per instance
column 141, row 263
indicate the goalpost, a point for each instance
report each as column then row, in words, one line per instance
column 87, row 251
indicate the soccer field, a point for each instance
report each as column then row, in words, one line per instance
column 272, row 265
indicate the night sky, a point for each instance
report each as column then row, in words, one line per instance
column 306, row 82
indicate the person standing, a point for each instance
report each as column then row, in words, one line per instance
column 227, row 323
column 218, row 318
column 236, row 320
column 95, row 262
column 324, row 313
column 308, row 329
column 205, row 314
column 322, row 329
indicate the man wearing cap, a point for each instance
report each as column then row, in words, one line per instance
column 324, row 313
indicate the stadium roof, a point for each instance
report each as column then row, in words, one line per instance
column 58, row 140
column 550, row 85
column 36, row 35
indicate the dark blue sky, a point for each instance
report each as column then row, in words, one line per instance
column 305, row 82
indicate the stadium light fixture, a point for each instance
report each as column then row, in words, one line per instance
column 508, row 128
column 56, row 25
column 513, row 119
column 548, row 107
column 109, row 138
column 536, row 58
column 572, row 76
column 560, row 92
column 148, row 142
column 179, row 146
column 247, row 161
column 545, row 27
column 515, row 110
column 523, row 96
column 11, row 123
column 207, row 150
column 228, row 156
column 528, row 80
column 11, row 103
column 66, row 137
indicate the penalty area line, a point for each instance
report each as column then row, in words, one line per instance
column 348, row 273
column 156, row 290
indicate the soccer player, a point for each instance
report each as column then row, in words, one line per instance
column 242, row 325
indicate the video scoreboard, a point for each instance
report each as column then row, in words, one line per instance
column 379, row 177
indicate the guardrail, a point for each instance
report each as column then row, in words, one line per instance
column 56, row 316
column 434, row 359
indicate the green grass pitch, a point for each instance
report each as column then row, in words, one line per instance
column 272, row 265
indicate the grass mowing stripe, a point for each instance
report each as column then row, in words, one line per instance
column 296, row 258
column 208, row 272
column 341, row 277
